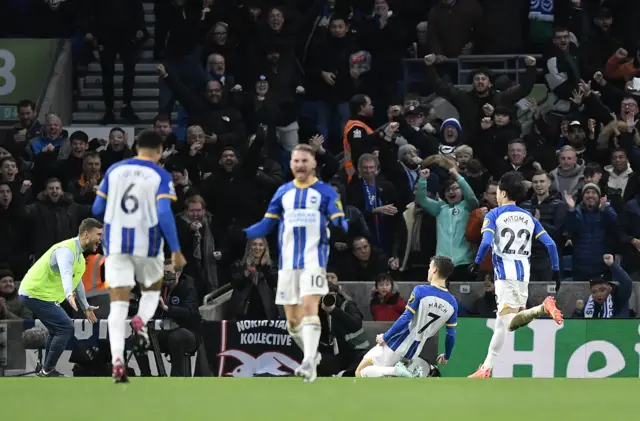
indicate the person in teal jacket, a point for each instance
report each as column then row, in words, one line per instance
column 451, row 220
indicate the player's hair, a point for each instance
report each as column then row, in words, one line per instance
column 512, row 183
column 90, row 154
column 88, row 225
column 196, row 198
column 303, row 147
column 149, row 139
column 543, row 172
column 444, row 265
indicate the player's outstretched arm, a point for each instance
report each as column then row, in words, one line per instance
column 99, row 207
column 271, row 217
column 336, row 213
column 262, row 228
column 100, row 203
column 485, row 245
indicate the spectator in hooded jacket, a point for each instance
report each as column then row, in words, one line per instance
column 15, row 232
column 452, row 215
column 386, row 303
column 592, row 228
column 569, row 175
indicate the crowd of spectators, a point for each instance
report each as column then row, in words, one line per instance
column 253, row 79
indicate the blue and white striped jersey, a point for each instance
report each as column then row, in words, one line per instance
column 132, row 189
column 304, row 213
column 429, row 309
column 513, row 230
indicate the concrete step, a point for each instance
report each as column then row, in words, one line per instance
column 89, row 117
column 98, row 105
column 149, row 18
column 148, row 7
column 95, row 81
column 87, row 93
column 146, row 56
column 140, row 68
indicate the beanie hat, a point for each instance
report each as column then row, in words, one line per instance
column 593, row 186
column 5, row 272
column 402, row 150
column 451, row 122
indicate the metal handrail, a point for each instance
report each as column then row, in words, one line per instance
column 487, row 59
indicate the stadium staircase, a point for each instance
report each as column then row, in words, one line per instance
column 89, row 107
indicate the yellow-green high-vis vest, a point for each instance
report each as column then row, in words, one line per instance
column 44, row 284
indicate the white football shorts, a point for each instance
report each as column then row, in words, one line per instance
column 511, row 294
column 293, row 284
column 382, row 356
column 123, row 270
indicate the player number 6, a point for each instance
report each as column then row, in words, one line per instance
column 128, row 198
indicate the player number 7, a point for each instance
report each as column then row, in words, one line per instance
column 433, row 317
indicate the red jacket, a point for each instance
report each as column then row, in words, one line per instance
column 388, row 309
column 473, row 235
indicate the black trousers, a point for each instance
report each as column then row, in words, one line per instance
column 177, row 343
column 113, row 47
column 163, row 9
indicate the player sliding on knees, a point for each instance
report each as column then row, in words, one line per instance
column 304, row 208
column 135, row 198
column 508, row 231
column 429, row 308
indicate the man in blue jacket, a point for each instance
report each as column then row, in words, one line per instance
column 592, row 226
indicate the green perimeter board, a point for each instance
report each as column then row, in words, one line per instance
column 578, row 348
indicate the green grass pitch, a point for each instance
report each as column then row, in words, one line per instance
column 265, row 399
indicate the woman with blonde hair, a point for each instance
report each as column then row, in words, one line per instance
column 254, row 279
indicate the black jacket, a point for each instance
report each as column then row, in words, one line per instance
column 253, row 300
column 182, row 301
column 220, row 119
column 552, row 212
column 469, row 105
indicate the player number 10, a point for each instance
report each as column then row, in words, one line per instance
column 317, row 281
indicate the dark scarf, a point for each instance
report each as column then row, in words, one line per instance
column 372, row 201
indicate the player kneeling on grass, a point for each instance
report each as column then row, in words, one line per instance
column 429, row 308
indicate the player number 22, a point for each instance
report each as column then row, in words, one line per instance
column 523, row 234
column 432, row 319
column 129, row 202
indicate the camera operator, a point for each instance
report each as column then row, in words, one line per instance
column 343, row 342
column 179, row 311
column 181, row 328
